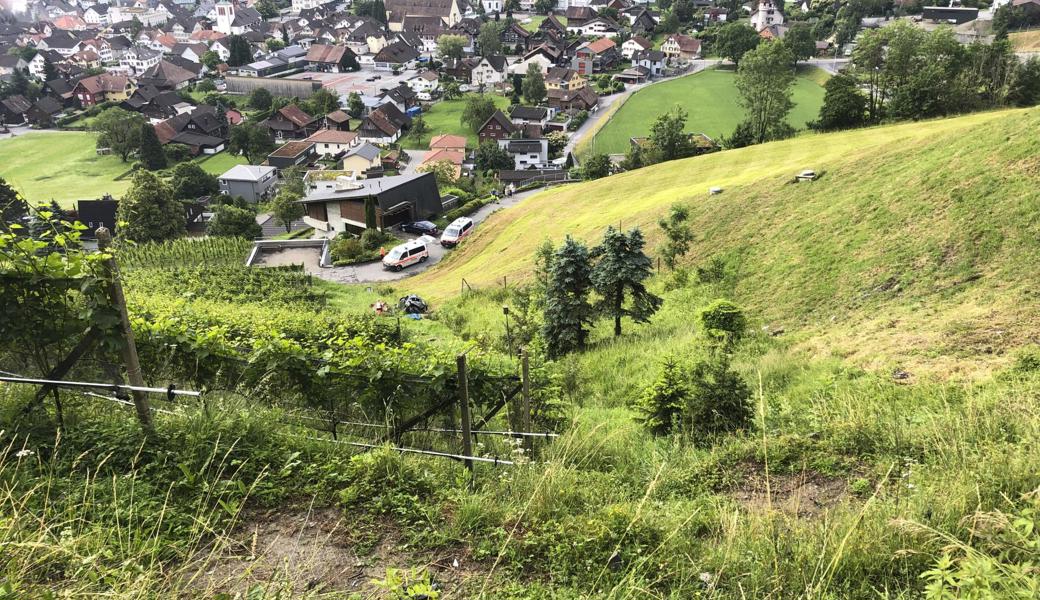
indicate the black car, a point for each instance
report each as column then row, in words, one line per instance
column 420, row 227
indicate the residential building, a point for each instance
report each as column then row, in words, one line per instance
column 489, row 71
column 397, row 55
column 13, row 109
column 651, row 60
column 330, row 143
column 362, row 159
column 336, row 205
column 331, row 59
column 292, row 154
column 596, row 56
column 291, row 123
column 527, row 153
column 378, row 128
column 681, row 47
column 581, row 99
column 767, row 14
column 597, row 27
column 563, row 78
column 449, row 11
column 103, row 88
column 531, row 115
column 425, row 85
column 254, row 183
column 201, row 130
column 635, row 44
column 497, row 127
column 454, row 143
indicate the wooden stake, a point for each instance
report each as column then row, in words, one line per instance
column 467, row 436
column 525, row 412
column 129, row 347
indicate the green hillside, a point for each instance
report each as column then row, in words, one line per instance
column 904, row 249
column 61, row 166
column 711, row 100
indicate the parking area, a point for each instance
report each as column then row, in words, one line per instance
column 345, row 83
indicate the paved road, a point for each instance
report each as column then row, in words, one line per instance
column 374, row 272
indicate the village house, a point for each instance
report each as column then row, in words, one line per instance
column 330, row 143
column 765, row 15
column 251, row 182
column 527, row 153
column 378, row 128
column 596, row 56
column 98, row 89
column 681, row 47
column 338, row 120
column 291, row 123
column 531, row 115
column 597, row 27
column 489, row 71
column 425, row 85
column 449, row 11
column 200, row 130
column 651, row 60
column 563, row 78
column 397, row 55
column 296, row 153
column 331, row 59
column 635, row 44
column 581, row 99
column 544, row 56
column 497, row 127
column 338, row 205
column 363, row 160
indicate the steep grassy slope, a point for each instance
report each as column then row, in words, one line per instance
column 915, row 247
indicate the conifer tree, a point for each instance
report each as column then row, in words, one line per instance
column 151, row 151
column 567, row 310
column 619, row 274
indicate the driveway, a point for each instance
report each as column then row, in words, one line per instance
column 415, row 158
column 373, row 272
column 17, row 130
column 344, row 83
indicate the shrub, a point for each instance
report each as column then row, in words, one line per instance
column 347, row 249
column 663, row 403
column 383, row 482
column 720, row 401
column 723, row 321
column 372, row 239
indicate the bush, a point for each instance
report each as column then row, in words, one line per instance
column 384, row 483
column 720, row 401
column 664, row 402
column 176, row 153
column 347, row 249
column 723, row 321
column 372, row 239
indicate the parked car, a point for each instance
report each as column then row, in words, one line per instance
column 456, row 231
column 420, row 227
column 405, row 255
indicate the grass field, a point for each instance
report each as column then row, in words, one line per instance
column 1026, row 41
column 444, row 118
column 217, row 164
column 61, row 166
column 709, row 98
column 881, row 218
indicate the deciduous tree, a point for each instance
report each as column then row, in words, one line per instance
column 534, row 85
column 764, row 81
column 190, row 181
column 119, row 130
column 231, row 221
column 477, row 111
column 451, row 47
column 734, row 40
column 287, row 209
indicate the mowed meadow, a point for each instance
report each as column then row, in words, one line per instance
column 711, row 102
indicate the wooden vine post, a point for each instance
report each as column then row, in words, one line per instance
column 467, row 434
column 525, row 410
column 128, row 348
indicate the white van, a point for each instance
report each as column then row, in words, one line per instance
column 405, row 255
column 458, row 229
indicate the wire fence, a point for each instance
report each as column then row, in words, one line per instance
column 172, row 394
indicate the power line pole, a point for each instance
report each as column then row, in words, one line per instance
column 128, row 348
column 525, row 414
column 467, row 435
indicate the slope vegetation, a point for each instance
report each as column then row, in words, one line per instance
column 915, row 246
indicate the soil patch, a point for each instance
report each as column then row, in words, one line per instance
column 314, row 552
column 807, row 494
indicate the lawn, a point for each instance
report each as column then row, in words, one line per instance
column 443, row 117
column 535, row 20
column 710, row 99
column 60, row 166
column 217, row 164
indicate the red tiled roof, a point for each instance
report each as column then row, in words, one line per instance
column 600, row 45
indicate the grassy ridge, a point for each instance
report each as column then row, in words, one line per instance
column 895, row 252
column 710, row 97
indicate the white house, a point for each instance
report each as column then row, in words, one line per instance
column 95, row 16
column 492, row 6
column 332, row 142
column 527, row 154
column 540, row 56
column 598, row 27
column 489, row 71
column 425, row 84
column 139, row 59
column 635, row 44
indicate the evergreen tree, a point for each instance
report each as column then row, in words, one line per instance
column 240, row 52
column 678, row 235
column 355, row 106
column 620, row 271
column 568, row 313
column 662, row 405
column 149, row 212
column 151, row 151
column 50, row 72
column 232, row 221
column 261, row 99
